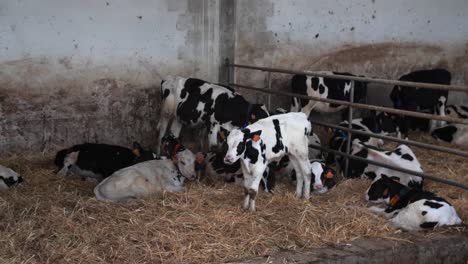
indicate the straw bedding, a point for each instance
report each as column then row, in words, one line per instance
column 50, row 219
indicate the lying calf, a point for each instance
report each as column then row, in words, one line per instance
column 141, row 179
column 402, row 156
column 456, row 134
column 414, row 209
column 98, row 161
column 8, row 178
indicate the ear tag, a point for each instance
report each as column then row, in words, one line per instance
column 222, row 136
column 256, row 138
column 253, row 116
column 330, row 131
column 136, row 152
column 199, row 159
column 329, row 175
column 394, row 200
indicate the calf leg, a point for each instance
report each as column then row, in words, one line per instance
column 251, row 184
column 299, row 177
column 176, row 126
column 213, row 135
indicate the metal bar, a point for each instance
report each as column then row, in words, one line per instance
column 358, row 105
column 269, row 88
column 357, row 78
column 398, row 140
column 420, row 174
column 350, row 121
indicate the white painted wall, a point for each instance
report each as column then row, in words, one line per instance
column 135, row 40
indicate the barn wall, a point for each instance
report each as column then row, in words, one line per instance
column 74, row 71
column 376, row 38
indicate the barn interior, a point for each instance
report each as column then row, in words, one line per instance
column 75, row 72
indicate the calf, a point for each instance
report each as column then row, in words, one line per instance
column 216, row 170
column 421, row 99
column 182, row 157
column 327, row 175
column 194, row 102
column 98, row 161
column 139, row 180
column 455, row 134
column 413, row 209
column 457, row 111
column 8, row 178
column 267, row 140
column 327, row 88
column 402, row 156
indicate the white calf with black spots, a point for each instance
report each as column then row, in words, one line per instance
column 414, row 209
column 193, row 102
column 8, row 178
column 326, row 88
column 268, row 140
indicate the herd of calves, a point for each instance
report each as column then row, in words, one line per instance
column 254, row 148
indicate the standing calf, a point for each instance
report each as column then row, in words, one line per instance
column 193, row 102
column 268, row 140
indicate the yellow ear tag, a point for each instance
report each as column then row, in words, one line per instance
column 256, row 138
column 136, row 152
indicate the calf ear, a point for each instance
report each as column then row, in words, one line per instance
column 137, row 149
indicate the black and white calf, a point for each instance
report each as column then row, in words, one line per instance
column 8, row 178
column 402, row 156
column 193, row 102
column 270, row 139
column 454, row 133
column 215, row 170
column 457, row 111
column 421, row 99
column 98, row 161
column 413, row 209
column 326, row 88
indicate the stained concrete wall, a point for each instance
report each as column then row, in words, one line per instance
column 376, row 38
column 74, row 71
column 90, row 70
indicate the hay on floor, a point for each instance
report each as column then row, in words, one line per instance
column 50, row 219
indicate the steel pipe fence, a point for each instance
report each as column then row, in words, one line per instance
column 352, row 105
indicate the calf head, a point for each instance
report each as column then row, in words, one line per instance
column 385, row 189
column 326, row 176
column 8, row 178
column 240, row 141
column 141, row 154
column 182, row 157
column 387, row 123
column 257, row 111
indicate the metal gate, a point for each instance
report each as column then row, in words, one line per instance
column 352, row 105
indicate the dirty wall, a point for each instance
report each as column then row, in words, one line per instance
column 75, row 71
column 375, row 38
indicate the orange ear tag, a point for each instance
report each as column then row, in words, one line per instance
column 136, row 152
column 253, row 117
column 222, row 136
column 256, row 138
column 329, row 175
column 394, row 200
column 199, row 158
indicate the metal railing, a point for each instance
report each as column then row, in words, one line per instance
column 352, row 105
